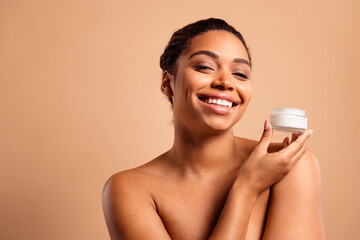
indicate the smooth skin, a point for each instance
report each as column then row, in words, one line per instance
column 212, row 184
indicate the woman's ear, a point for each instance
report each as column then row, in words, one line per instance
column 166, row 84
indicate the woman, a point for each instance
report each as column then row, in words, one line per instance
column 211, row 184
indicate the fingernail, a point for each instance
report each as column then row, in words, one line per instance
column 311, row 131
column 266, row 126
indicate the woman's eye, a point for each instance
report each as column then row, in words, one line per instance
column 241, row 75
column 202, row 67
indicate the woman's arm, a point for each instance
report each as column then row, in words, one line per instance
column 235, row 216
column 295, row 204
column 260, row 171
column 129, row 210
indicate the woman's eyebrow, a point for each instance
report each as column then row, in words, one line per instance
column 214, row 55
column 241, row 60
column 211, row 54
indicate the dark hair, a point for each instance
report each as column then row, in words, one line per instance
column 181, row 40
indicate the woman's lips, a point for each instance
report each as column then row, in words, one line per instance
column 221, row 99
column 217, row 101
column 218, row 106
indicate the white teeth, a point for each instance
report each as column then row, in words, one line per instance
column 220, row 102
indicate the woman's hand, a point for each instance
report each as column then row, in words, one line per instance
column 262, row 169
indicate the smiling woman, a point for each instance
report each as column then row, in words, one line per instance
column 212, row 184
column 214, row 66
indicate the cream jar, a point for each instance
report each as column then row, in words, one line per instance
column 288, row 120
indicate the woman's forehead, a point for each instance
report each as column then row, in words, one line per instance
column 223, row 43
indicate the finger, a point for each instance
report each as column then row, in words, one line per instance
column 286, row 142
column 296, row 146
column 266, row 137
column 297, row 156
column 294, row 136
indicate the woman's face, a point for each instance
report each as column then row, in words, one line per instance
column 212, row 87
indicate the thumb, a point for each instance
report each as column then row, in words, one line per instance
column 266, row 136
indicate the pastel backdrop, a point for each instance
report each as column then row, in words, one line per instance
column 80, row 100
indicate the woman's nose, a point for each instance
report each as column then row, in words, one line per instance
column 223, row 81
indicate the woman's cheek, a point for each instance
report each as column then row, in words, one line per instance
column 245, row 91
column 198, row 80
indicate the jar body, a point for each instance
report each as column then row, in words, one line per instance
column 288, row 120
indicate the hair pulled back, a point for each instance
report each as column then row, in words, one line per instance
column 181, row 40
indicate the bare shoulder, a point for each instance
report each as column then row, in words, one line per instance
column 295, row 203
column 305, row 171
column 133, row 183
column 122, row 185
column 136, row 179
column 128, row 178
column 128, row 205
column 122, row 188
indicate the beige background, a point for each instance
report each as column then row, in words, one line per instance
column 80, row 100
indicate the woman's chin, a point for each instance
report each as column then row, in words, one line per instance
column 218, row 127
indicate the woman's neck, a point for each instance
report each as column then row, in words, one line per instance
column 203, row 153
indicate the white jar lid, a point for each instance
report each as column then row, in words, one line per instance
column 288, row 120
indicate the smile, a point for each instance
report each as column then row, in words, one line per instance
column 218, row 101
